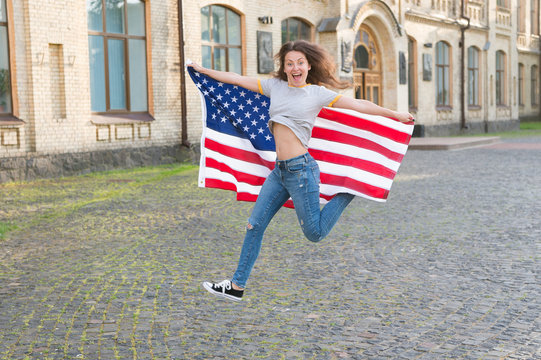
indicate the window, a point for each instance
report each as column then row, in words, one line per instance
column 412, row 73
column 503, row 3
column 534, row 21
column 221, row 39
column 521, row 16
column 473, row 76
column 500, row 78
column 295, row 29
column 5, row 81
column 521, row 84
column 535, row 86
column 117, row 51
column 443, row 86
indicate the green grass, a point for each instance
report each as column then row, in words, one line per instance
column 5, row 227
column 528, row 128
column 108, row 189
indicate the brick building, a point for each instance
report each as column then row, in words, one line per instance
column 96, row 84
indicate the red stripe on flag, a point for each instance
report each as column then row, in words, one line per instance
column 337, row 136
column 345, row 160
column 239, row 154
column 220, row 184
column 346, row 182
column 367, row 125
column 238, row 175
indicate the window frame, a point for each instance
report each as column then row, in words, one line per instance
column 13, row 115
column 473, row 70
column 125, row 37
column 212, row 44
column 520, row 84
column 302, row 21
column 534, row 86
column 501, row 81
column 445, row 68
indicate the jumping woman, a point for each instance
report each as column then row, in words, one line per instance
column 296, row 95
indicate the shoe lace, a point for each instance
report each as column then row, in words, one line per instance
column 226, row 284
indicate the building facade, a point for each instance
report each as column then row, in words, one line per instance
column 96, row 84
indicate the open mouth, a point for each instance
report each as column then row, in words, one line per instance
column 297, row 76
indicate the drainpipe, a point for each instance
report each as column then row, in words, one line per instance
column 184, row 119
column 462, row 65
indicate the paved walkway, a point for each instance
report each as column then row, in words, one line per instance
column 109, row 266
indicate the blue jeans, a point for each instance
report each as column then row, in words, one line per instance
column 297, row 178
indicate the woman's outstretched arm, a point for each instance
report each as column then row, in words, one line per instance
column 228, row 77
column 368, row 107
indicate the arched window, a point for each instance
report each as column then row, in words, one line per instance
column 521, row 84
column 295, row 29
column 443, row 71
column 221, row 41
column 5, row 86
column 500, row 78
column 535, row 86
column 473, row 76
column 366, row 66
column 117, row 41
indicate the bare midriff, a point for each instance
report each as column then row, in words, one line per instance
column 287, row 143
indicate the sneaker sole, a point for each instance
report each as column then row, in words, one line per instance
column 219, row 294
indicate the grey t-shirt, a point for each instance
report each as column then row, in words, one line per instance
column 296, row 107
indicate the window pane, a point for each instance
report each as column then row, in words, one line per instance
column 233, row 28
column 306, row 34
column 117, row 74
column 234, row 60
column 439, row 84
column 470, row 88
column 284, row 31
column 97, row 73
column 219, row 59
column 205, row 25
column 138, row 74
column 94, row 13
column 114, row 16
column 445, row 54
column 218, row 25
column 293, row 29
column 5, row 88
column 136, row 17
column 361, row 57
column 446, row 86
column 3, row 15
column 376, row 95
column 207, row 60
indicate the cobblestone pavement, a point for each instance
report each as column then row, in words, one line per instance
column 108, row 266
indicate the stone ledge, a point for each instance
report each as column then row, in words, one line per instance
column 30, row 167
column 450, row 143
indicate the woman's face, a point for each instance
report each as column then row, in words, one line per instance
column 296, row 68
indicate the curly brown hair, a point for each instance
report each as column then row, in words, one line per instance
column 323, row 68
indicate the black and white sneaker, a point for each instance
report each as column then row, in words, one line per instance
column 224, row 289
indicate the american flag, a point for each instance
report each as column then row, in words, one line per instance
column 356, row 153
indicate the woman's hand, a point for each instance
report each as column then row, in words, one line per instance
column 228, row 77
column 196, row 67
column 404, row 117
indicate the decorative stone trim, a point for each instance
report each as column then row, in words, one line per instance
column 122, row 127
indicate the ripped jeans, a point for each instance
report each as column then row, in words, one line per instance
column 297, row 178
